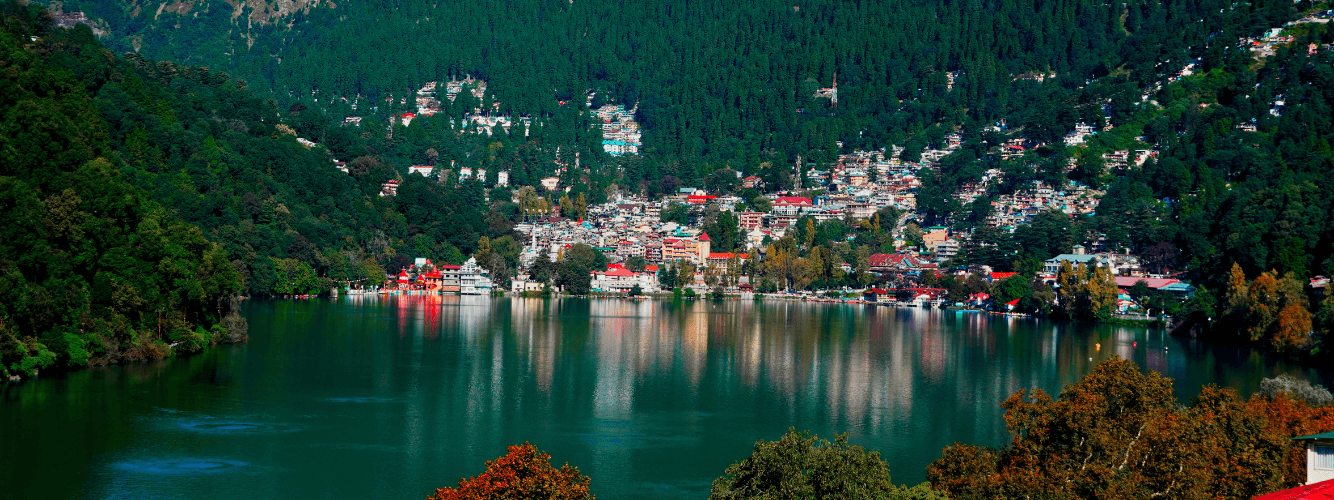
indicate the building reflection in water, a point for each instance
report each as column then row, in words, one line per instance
column 636, row 375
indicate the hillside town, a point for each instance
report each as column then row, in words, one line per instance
column 640, row 242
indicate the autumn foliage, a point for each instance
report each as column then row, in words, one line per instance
column 1269, row 310
column 523, row 473
column 1119, row 433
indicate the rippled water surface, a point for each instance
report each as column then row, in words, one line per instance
column 393, row 397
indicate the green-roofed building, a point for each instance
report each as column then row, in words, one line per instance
column 1319, row 456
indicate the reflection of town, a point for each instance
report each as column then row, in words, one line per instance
column 630, row 372
column 858, row 366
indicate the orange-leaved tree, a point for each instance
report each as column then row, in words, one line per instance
column 523, row 473
column 1119, row 433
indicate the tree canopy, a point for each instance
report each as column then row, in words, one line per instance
column 525, row 473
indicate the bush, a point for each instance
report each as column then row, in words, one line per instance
column 1314, row 395
column 800, row 465
column 525, row 472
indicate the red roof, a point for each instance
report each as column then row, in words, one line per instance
column 793, row 200
column 1154, row 283
column 725, row 256
column 892, row 260
column 1323, row 490
column 1001, row 276
column 704, row 236
column 699, row 199
column 621, row 271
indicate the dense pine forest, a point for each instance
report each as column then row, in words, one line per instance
column 141, row 197
column 716, row 82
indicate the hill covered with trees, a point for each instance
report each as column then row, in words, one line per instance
column 717, row 82
column 140, row 197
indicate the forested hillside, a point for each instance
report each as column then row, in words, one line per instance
column 92, row 269
column 717, row 82
column 138, row 197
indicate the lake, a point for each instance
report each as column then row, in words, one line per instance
column 391, row 397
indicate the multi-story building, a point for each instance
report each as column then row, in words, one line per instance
column 473, row 280
column 791, row 205
column 694, row 250
column 721, row 262
column 750, row 220
column 618, row 279
column 653, row 251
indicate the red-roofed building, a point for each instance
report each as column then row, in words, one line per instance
column 1154, row 283
column 895, row 262
column 618, row 279
column 432, row 280
column 699, row 200
column 878, row 295
column 994, row 277
column 449, row 277
column 791, row 205
column 720, row 260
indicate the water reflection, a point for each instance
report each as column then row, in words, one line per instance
column 371, row 396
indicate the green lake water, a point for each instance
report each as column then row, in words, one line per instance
column 391, row 397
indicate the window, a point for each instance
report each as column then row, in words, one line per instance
column 1324, row 457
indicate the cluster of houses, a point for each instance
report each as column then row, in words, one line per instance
column 631, row 229
column 423, row 275
column 620, row 131
column 911, row 264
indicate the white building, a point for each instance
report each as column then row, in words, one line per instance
column 524, row 283
column 617, row 279
column 1053, row 265
column 1319, row 457
column 473, row 280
